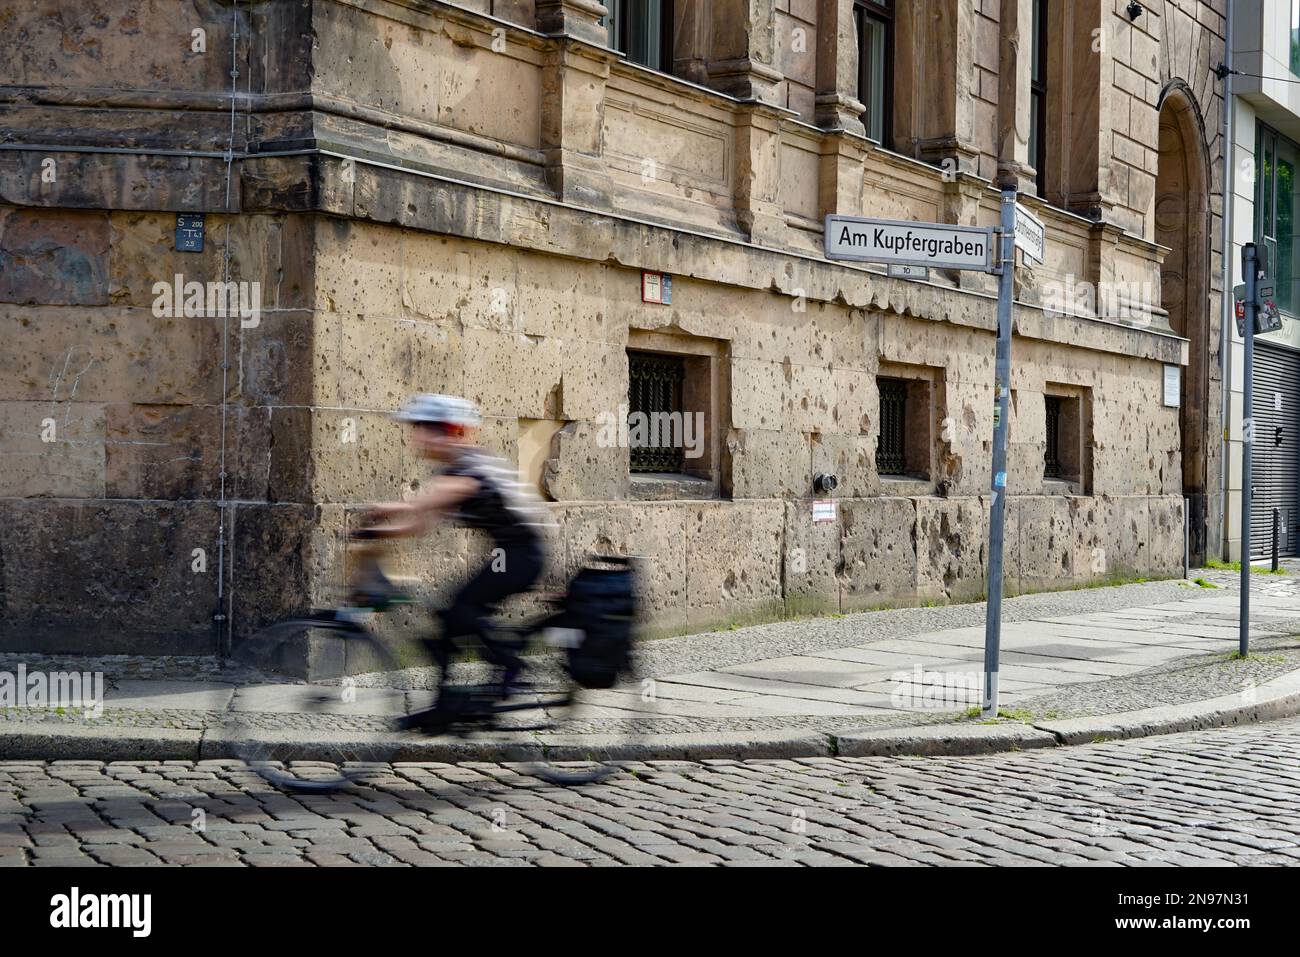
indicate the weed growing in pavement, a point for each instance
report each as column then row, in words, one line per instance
column 1203, row 583
column 1262, row 659
column 1219, row 566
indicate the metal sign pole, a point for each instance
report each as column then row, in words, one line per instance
column 1002, row 404
column 1250, row 273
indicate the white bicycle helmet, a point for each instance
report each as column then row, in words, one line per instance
column 447, row 409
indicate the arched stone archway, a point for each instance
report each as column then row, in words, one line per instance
column 1182, row 222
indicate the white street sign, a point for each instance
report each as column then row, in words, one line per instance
column 1031, row 234
column 905, row 243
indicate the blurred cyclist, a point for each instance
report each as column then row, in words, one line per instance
column 482, row 492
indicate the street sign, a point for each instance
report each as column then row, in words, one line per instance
column 895, row 271
column 1031, row 234
column 899, row 242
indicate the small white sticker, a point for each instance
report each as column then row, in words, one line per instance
column 824, row 513
column 1277, row 401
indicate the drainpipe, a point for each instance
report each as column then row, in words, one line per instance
column 1225, row 339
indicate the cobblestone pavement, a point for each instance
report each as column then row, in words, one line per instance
column 1211, row 797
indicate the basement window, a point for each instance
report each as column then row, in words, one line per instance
column 903, row 444
column 1066, row 443
column 1052, row 452
column 655, row 417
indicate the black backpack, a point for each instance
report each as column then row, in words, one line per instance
column 602, row 604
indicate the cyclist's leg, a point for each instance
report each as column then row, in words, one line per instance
column 470, row 612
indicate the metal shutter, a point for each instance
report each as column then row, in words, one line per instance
column 1276, row 467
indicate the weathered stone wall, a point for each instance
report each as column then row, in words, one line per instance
column 424, row 210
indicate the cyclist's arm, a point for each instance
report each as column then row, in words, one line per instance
column 405, row 519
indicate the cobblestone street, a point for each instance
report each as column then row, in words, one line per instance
column 1213, row 797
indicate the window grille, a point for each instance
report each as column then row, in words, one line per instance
column 891, row 450
column 655, row 388
column 1052, row 454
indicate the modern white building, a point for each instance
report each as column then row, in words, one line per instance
column 1265, row 208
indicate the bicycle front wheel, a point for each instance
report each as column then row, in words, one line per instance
column 325, row 747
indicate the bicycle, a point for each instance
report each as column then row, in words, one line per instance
column 591, row 627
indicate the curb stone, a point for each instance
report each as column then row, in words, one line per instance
column 944, row 740
column 1278, row 698
column 347, row 746
column 72, row 742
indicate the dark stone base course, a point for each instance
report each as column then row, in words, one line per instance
column 116, row 577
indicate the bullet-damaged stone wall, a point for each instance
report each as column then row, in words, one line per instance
column 462, row 198
column 102, row 523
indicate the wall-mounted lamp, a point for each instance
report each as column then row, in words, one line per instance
column 822, row 482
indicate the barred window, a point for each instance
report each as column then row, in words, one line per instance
column 1052, row 453
column 891, row 449
column 654, row 411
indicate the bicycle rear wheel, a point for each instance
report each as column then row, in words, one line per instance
column 589, row 735
column 339, row 755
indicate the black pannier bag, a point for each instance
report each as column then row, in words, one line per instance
column 602, row 603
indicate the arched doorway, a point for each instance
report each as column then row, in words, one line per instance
column 1182, row 224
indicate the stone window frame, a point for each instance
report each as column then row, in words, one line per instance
column 925, row 402
column 705, row 385
column 1074, row 439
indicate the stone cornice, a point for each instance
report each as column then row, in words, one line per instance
column 433, row 203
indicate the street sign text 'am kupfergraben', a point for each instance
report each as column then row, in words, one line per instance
column 932, row 245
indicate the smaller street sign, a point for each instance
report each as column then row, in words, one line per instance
column 895, row 271
column 1031, row 234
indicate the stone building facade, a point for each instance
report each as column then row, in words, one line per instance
column 413, row 195
column 1265, row 131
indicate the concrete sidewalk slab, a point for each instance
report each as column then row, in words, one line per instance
column 891, row 660
column 328, row 699
column 724, row 681
column 822, row 672
column 142, row 695
column 1094, row 668
column 1095, row 633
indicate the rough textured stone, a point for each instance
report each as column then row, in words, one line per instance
column 496, row 249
